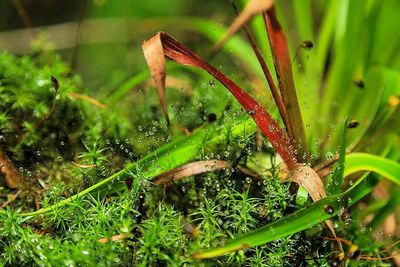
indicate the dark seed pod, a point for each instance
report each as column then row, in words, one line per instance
column 307, row 44
column 55, row 83
column 353, row 124
column 354, row 252
column 359, row 83
column 211, row 117
column 329, row 209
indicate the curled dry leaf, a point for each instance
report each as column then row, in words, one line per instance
column 191, row 169
column 13, row 177
column 252, row 8
column 154, row 55
column 309, row 179
column 163, row 44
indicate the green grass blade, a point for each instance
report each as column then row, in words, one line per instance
column 357, row 162
column 296, row 222
column 337, row 177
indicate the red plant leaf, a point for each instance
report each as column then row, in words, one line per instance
column 175, row 51
column 283, row 68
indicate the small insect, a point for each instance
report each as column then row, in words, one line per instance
column 329, row 209
column 359, row 83
column 353, row 124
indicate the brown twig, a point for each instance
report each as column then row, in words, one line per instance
column 10, row 200
column 78, row 36
column 88, row 99
column 25, row 18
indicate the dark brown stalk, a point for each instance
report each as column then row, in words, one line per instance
column 24, row 17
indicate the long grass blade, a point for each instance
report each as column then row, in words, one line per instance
column 357, row 162
column 283, row 68
column 337, row 177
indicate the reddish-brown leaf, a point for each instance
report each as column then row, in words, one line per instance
column 283, row 68
column 175, row 51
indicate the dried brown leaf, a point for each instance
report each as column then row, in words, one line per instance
column 88, row 99
column 114, row 238
column 83, row 166
column 13, row 177
column 309, row 179
column 153, row 52
column 252, row 8
column 191, row 169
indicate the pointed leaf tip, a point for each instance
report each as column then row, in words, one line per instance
column 252, row 8
column 154, row 55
